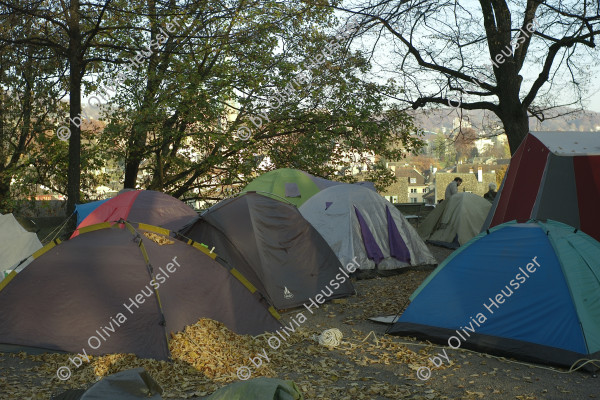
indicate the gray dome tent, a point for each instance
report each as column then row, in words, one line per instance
column 357, row 222
column 272, row 245
column 115, row 290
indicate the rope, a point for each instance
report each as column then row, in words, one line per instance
column 330, row 338
column 59, row 230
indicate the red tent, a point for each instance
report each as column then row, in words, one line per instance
column 553, row 175
column 147, row 206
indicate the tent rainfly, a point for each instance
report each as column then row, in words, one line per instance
column 273, row 246
column 294, row 185
column 455, row 221
column 357, row 222
column 147, row 206
column 120, row 288
column 552, row 175
column 525, row 290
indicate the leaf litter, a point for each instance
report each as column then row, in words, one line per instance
column 206, row 356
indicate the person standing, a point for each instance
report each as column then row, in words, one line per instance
column 452, row 188
column 491, row 194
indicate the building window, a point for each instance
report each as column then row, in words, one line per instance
column 413, row 199
column 413, row 190
column 424, row 190
column 413, row 180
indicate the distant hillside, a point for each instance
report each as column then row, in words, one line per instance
column 432, row 120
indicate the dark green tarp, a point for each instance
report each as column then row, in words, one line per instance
column 259, row 389
column 131, row 384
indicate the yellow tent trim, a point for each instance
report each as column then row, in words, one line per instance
column 46, row 248
column 274, row 312
column 203, row 249
column 252, row 289
column 130, row 228
column 155, row 229
column 95, row 227
column 243, row 279
column 6, row 280
column 144, row 253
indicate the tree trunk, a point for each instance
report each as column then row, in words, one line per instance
column 76, row 71
column 516, row 125
column 136, row 145
column 135, row 150
column 5, row 203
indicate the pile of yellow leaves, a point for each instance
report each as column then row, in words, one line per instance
column 160, row 239
column 205, row 355
column 214, row 350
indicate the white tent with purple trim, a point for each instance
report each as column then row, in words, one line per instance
column 358, row 222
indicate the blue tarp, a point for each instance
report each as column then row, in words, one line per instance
column 83, row 210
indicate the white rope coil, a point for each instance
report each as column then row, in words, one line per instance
column 331, row 337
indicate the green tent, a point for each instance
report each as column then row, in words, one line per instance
column 293, row 185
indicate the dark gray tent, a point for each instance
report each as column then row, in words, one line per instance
column 273, row 246
column 122, row 289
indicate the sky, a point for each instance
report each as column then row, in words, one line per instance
column 384, row 56
column 594, row 103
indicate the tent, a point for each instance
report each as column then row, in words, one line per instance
column 357, row 222
column 130, row 384
column 455, row 221
column 16, row 244
column 524, row 290
column 148, row 206
column 294, row 185
column 83, row 210
column 552, row 175
column 123, row 288
column 273, row 246
column 259, row 389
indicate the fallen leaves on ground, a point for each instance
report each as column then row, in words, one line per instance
column 207, row 355
column 214, row 350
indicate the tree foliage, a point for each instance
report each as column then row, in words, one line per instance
column 203, row 72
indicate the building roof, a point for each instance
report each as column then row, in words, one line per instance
column 464, row 168
column 410, row 172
